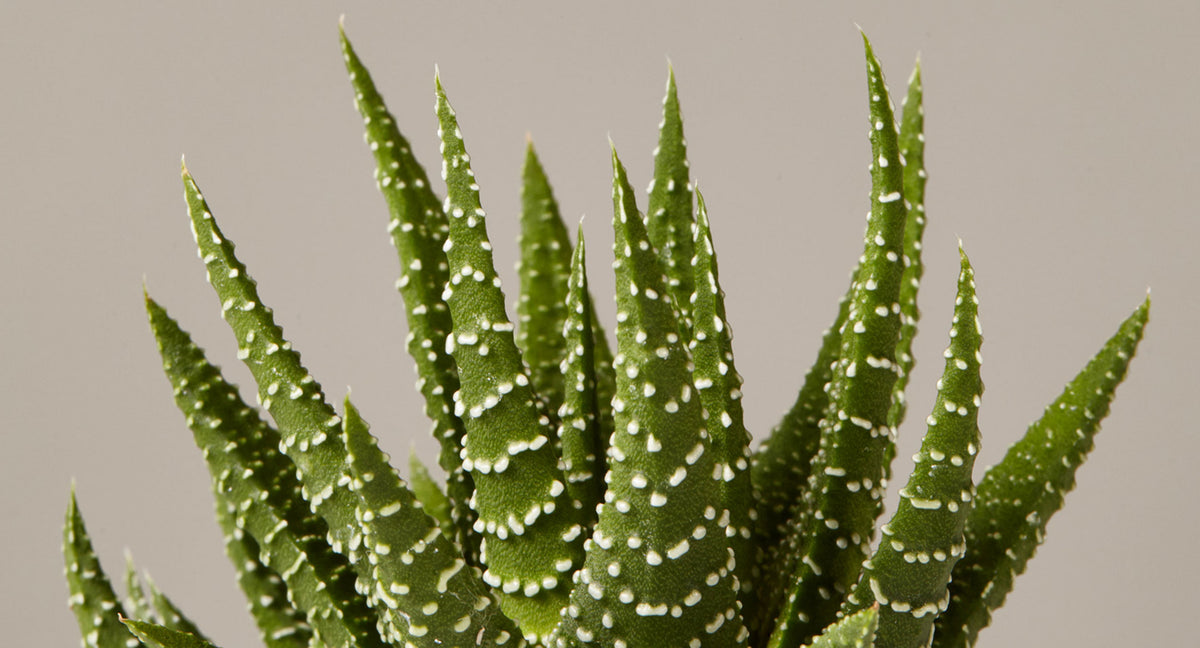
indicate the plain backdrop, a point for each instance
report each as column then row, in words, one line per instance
column 1062, row 150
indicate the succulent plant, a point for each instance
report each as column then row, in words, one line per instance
column 599, row 496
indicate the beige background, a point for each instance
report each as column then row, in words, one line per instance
column 1062, row 150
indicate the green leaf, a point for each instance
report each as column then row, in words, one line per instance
column 92, row 598
column 780, row 476
column 669, row 217
column 912, row 154
column 1017, row 497
column 720, row 388
column 419, row 229
column 909, row 572
column 258, row 488
column 579, row 431
column 854, row 631
column 848, row 482
column 280, row 625
column 419, row 583
column 544, row 270
column 657, row 566
column 136, row 601
column 533, row 539
column 429, row 495
column 157, row 636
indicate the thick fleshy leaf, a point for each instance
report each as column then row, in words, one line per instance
column 92, row 598
column 910, row 570
column 418, row 229
column 1016, row 497
column 579, row 430
column 720, row 388
column 157, row 636
column 308, row 426
column 912, row 154
column 657, row 564
column 533, row 539
column 544, row 269
column 854, row 631
column 432, row 499
column 848, row 480
column 669, row 218
column 280, row 625
column 260, row 495
column 423, row 590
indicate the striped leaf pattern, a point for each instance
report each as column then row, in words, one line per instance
column 606, row 500
column 418, row 229
column 260, row 496
column 419, row 583
column 533, row 538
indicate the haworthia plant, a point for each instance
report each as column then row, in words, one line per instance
column 601, row 499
